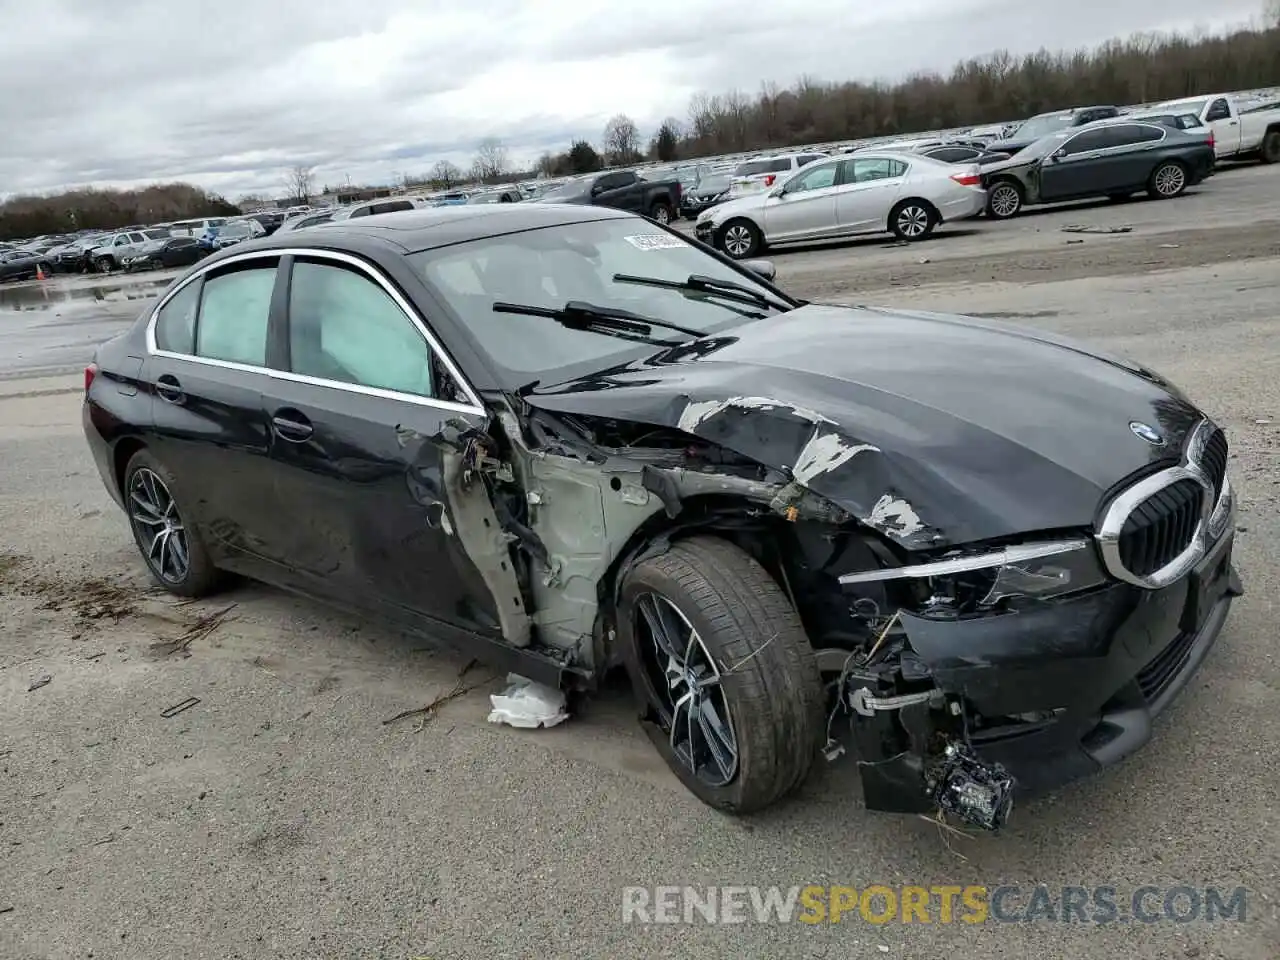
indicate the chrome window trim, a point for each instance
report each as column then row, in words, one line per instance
column 1209, row 529
column 475, row 407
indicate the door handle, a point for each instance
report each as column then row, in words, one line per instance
column 291, row 425
column 169, row 389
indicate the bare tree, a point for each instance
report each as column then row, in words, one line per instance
column 445, row 174
column 300, row 183
column 1273, row 13
column 546, row 165
column 491, row 160
column 622, row 140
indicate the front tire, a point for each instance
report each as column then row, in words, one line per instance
column 171, row 547
column 912, row 220
column 726, row 680
column 104, row 264
column 1004, row 200
column 740, row 239
column 1168, row 180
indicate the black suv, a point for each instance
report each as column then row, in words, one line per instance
column 1043, row 124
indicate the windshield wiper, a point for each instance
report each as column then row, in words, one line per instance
column 729, row 289
column 611, row 321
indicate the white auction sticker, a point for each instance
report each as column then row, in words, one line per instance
column 656, row 241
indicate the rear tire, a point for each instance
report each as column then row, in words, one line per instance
column 660, row 212
column 913, row 220
column 1004, row 200
column 1168, row 180
column 171, row 546
column 740, row 239
column 757, row 714
column 1270, row 152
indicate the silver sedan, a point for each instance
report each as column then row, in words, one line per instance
column 874, row 192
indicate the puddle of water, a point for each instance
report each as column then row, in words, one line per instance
column 52, row 295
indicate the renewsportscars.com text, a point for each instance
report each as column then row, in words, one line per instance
column 972, row 904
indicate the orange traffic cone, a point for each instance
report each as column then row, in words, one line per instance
column 40, row 274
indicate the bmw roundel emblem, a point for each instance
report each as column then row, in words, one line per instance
column 1146, row 432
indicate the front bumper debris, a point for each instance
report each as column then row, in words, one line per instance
column 976, row 709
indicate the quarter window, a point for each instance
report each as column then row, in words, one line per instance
column 176, row 322
column 234, row 308
column 344, row 327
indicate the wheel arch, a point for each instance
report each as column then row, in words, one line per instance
column 121, row 454
column 914, row 198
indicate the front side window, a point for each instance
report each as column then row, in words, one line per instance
column 234, row 309
column 1091, row 140
column 1218, row 110
column 176, row 321
column 813, row 178
column 344, row 327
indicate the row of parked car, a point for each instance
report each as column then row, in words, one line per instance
column 910, row 187
column 161, row 246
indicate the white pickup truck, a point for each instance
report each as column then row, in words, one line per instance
column 1239, row 130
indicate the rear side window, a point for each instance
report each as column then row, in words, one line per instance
column 176, row 321
column 234, row 308
column 391, row 206
column 346, row 328
column 1218, row 110
column 1129, row 134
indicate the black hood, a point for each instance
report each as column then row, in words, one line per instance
column 934, row 429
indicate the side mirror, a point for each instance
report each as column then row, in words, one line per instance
column 1059, row 154
column 761, row 268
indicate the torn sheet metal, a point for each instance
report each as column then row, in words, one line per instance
column 894, row 516
column 696, row 413
column 824, row 453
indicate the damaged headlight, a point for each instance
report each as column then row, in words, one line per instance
column 1045, row 569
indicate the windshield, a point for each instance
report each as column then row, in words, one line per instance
column 769, row 165
column 1191, row 106
column 1038, row 127
column 551, row 266
column 156, row 234
column 1045, row 145
column 575, row 188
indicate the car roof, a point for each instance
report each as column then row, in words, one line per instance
column 427, row 228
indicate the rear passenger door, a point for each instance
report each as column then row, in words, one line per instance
column 210, row 353
column 869, row 187
column 357, row 463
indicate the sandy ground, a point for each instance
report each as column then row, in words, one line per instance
column 282, row 816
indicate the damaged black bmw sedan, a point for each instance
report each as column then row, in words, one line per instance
column 979, row 558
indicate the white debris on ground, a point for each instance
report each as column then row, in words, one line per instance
column 527, row 704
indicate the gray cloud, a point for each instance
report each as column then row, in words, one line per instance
column 231, row 94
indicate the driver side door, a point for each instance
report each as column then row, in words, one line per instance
column 361, row 470
column 804, row 208
column 618, row 190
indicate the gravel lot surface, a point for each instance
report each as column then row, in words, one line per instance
column 282, row 816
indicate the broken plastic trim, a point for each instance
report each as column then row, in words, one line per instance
column 983, row 561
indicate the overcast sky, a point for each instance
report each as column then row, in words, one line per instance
column 231, row 93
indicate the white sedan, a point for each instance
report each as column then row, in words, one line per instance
column 902, row 193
